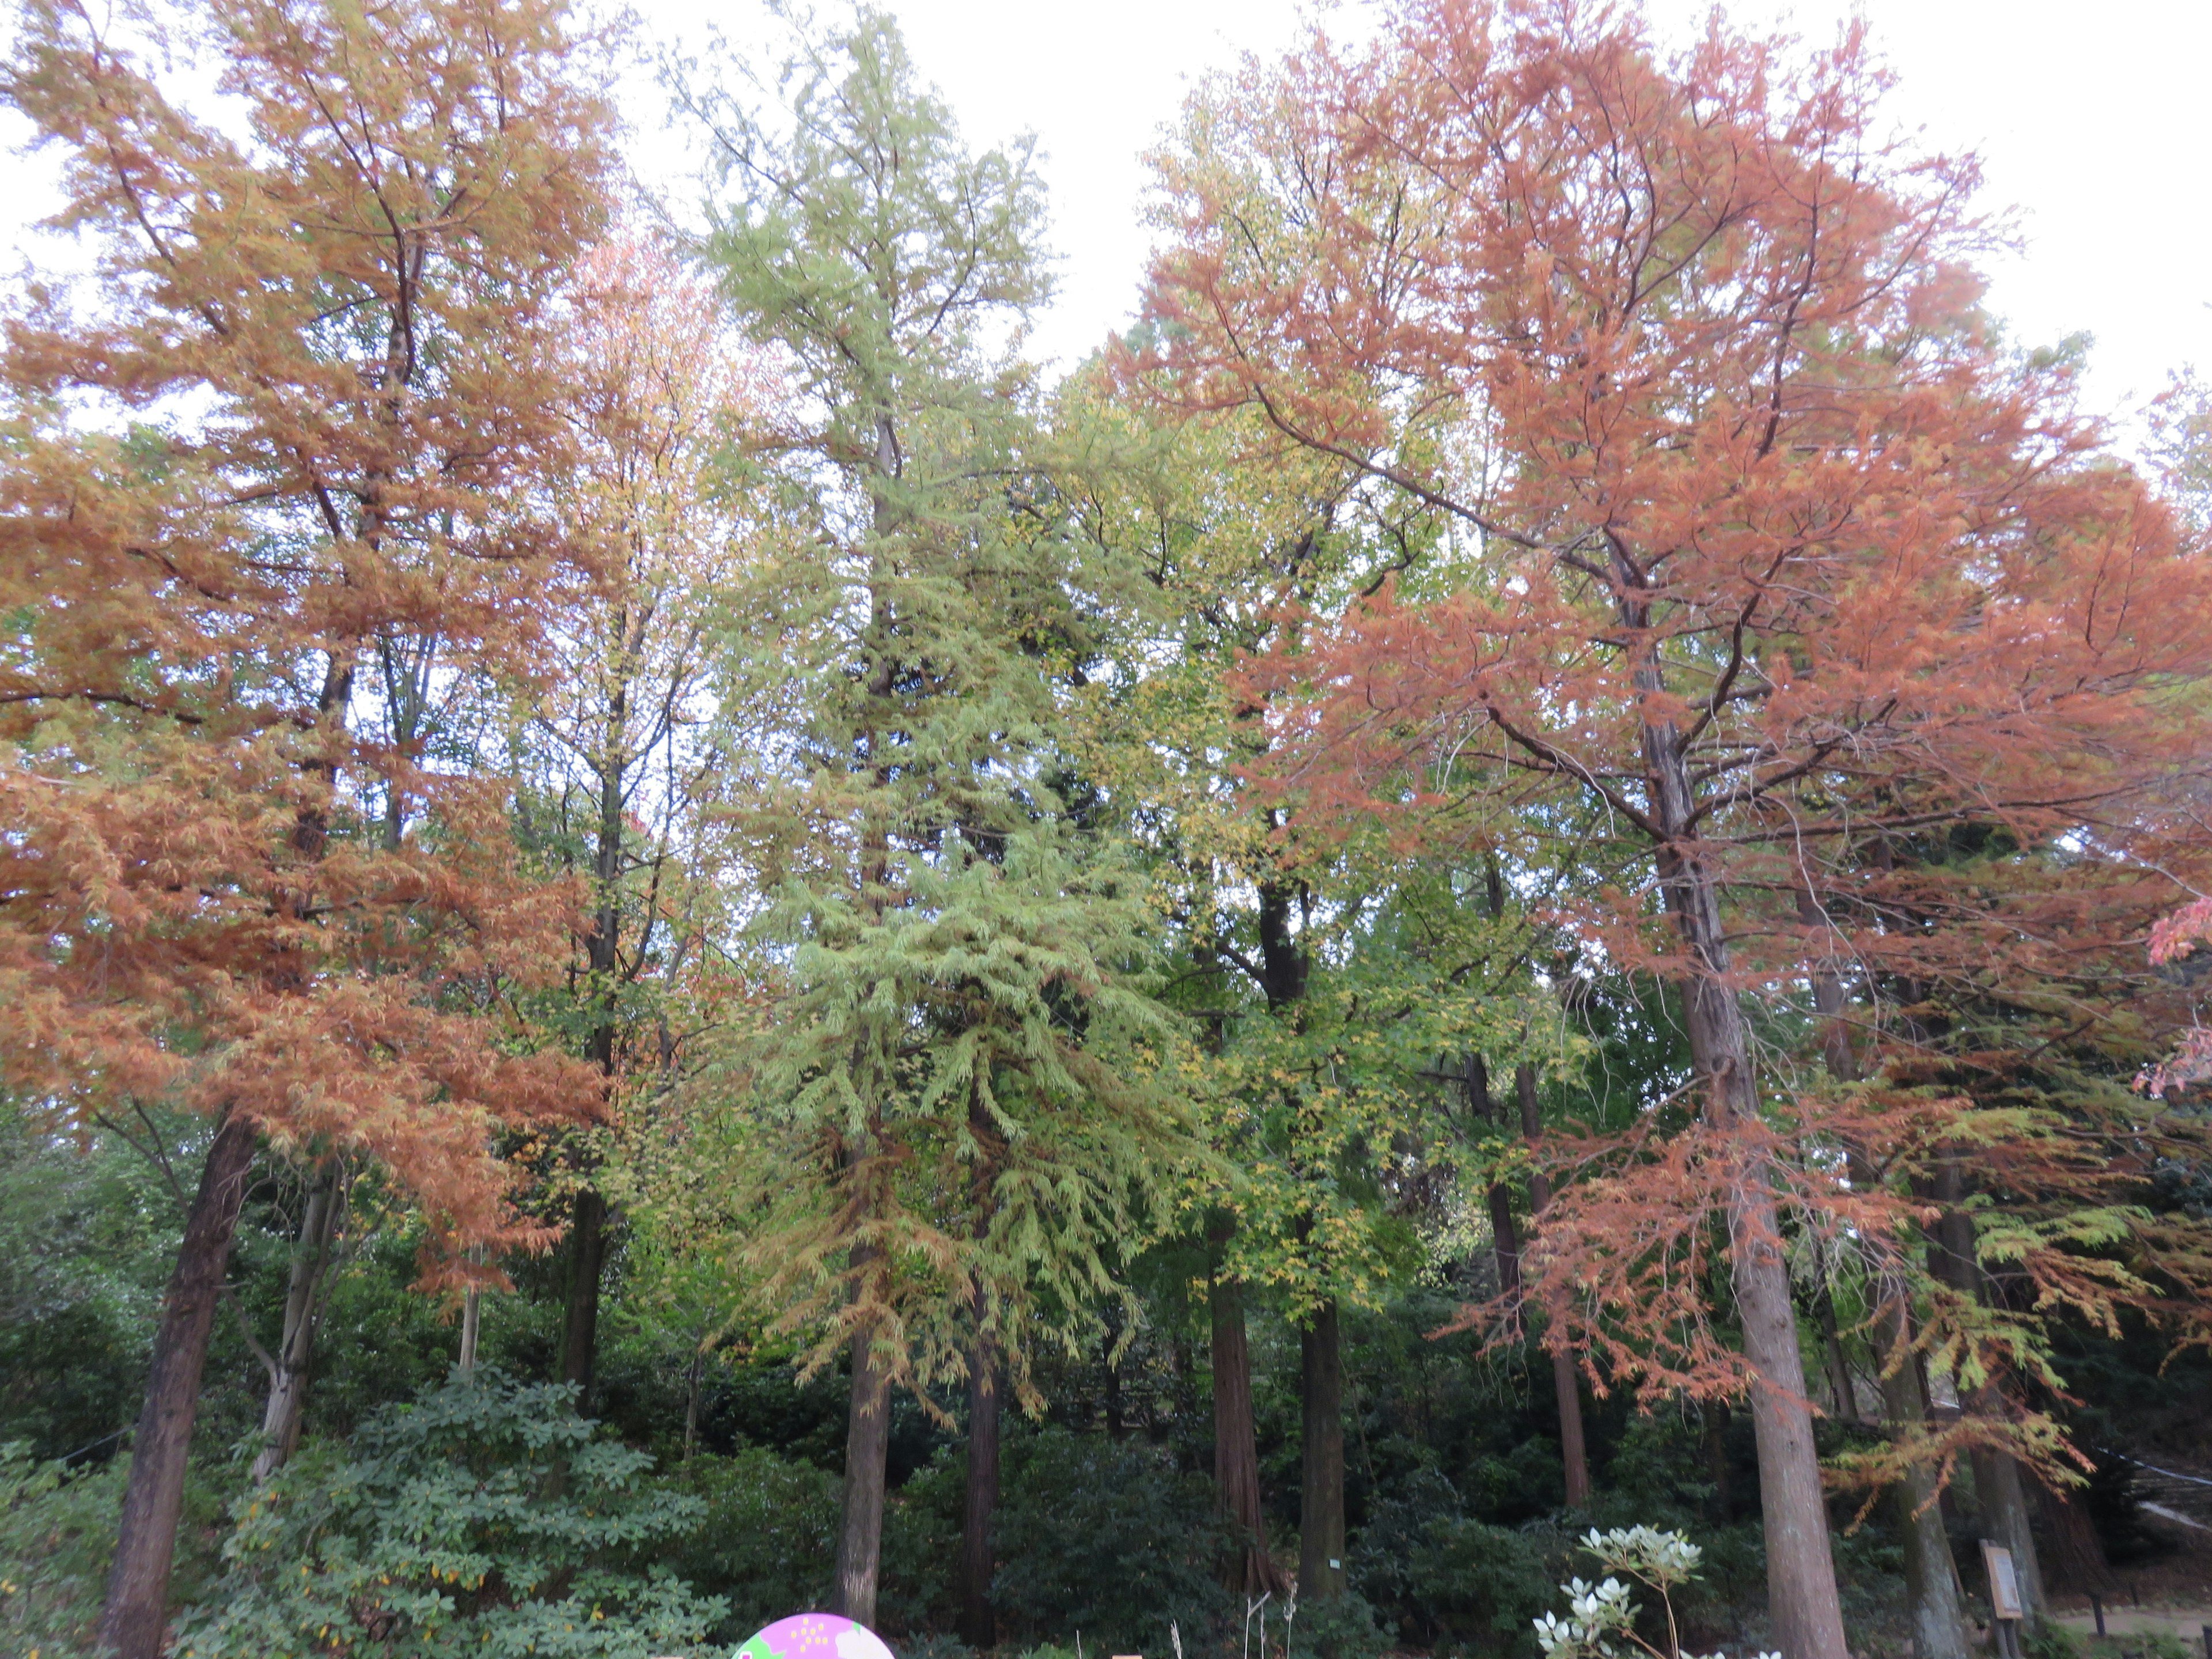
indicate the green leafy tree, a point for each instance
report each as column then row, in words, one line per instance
column 954, row 1106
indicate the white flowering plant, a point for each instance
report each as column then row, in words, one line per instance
column 1601, row 1619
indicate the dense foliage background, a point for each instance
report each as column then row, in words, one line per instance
column 680, row 945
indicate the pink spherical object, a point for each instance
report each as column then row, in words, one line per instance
column 814, row 1635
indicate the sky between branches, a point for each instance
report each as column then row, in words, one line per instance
column 2090, row 119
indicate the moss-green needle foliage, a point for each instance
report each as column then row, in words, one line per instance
column 485, row 1518
column 951, row 1114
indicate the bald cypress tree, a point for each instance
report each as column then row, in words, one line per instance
column 949, row 1117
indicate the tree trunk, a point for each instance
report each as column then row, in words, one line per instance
column 131, row 1620
column 979, row 1623
column 1936, row 1603
column 2005, row 1520
column 1804, row 1608
column 471, row 1329
column 1712, row 1441
column 867, row 1456
column 1566, row 1389
column 1505, row 1240
column 692, row 1377
column 2077, row 1550
column 580, row 1328
column 1832, row 1350
column 1236, row 1445
column 1320, row 1484
column 1931, row 1578
column 2001, row 1494
column 303, row 1312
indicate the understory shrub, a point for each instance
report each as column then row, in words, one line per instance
column 1447, row 1579
column 56, row 1533
column 766, row 1542
column 1104, row 1536
column 486, row 1518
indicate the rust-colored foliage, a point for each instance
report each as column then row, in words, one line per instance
column 1769, row 559
column 304, row 412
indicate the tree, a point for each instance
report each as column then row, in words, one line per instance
column 951, row 1108
column 1783, row 550
column 308, row 408
column 620, row 747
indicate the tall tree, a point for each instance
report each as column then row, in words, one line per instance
column 308, row 410
column 621, row 749
column 952, row 1101
column 1772, row 514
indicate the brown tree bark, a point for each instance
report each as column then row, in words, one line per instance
column 1504, row 1238
column 1804, row 1607
column 1320, row 1484
column 136, row 1610
column 1936, row 1603
column 867, row 1454
column 1931, row 1578
column 1999, row 1493
column 979, row 1621
column 1566, row 1386
column 2077, row 1553
column 1235, row 1444
column 303, row 1308
column 579, row 1325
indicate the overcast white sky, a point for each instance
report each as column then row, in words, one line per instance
column 2091, row 119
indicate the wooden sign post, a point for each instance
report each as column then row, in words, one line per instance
column 2004, row 1598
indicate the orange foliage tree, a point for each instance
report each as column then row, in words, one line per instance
column 304, row 408
column 1770, row 550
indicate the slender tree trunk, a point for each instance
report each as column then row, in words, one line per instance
column 1804, row 1607
column 1937, row 1603
column 1321, row 1486
column 1566, row 1386
column 2001, row 1495
column 136, row 1610
column 1505, row 1240
column 867, row 1457
column 692, row 1377
column 978, row 1622
column 1931, row 1578
column 303, row 1309
column 1713, row 1440
column 1832, row 1350
column 1235, row 1444
column 2005, row 1513
column 579, row 1329
column 471, row 1329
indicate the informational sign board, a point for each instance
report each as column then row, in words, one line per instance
column 2004, row 1583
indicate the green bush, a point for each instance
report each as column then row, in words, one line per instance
column 1104, row 1537
column 1447, row 1577
column 486, row 1518
column 57, row 1532
column 1342, row 1627
column 767, row 1541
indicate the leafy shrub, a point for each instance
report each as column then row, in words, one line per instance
column 1443, row 1575
column 485, row 1518
column 767, row 1541
column 1342, row 1627
column 57, row 1532
column 1104, row 1536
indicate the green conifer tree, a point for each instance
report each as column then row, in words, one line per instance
column 957, row 1101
